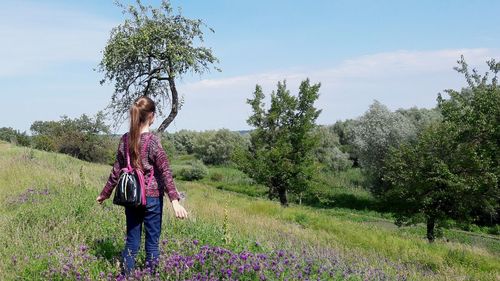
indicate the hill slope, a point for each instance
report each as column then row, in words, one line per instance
column 52, row 228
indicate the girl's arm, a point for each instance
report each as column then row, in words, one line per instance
column 115, row 172
column 162, row 163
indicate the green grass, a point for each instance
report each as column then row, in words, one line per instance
column 340, row 190
column 61, row 213
column 231, row 179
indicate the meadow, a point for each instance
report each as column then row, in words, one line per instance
column 52, row 228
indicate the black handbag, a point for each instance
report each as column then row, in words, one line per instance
column 130, row 190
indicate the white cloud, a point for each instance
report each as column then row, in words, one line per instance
column 397, row 79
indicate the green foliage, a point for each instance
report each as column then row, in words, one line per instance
column 280, row 155
column 452, row 171
column 217, row 147
column 214, row 147
column 148, row 52
column 474, row 113
column 345, row 131
column 196, row 171
column 184, row 141
column 38, row 234
column 83, row 137
column 343, row 189
column 420, row 180
column 167, row 142
column 44, row 142
column 226, row 234
column 375, row 133
column 421, row 117
column 14, row 136
column 328, row 151
column 232, row 179
column 216, row 176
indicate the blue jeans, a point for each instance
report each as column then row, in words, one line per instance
column 151, row 216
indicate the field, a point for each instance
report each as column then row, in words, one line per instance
column 52, row 228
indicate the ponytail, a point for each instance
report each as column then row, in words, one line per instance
column 139, row 115
column 134, row 136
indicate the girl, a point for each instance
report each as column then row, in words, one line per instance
column 150, row 159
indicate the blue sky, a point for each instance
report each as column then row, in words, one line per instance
column 401, row 53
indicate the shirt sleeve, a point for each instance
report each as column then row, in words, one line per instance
column 163, row 165
column 115, row 172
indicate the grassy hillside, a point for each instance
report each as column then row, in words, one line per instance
column 53, row 229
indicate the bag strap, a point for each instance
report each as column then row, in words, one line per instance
column 129, row 167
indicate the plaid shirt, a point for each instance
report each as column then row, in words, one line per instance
column 156, row 159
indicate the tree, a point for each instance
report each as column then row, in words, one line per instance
column 14, row 136
column 475, row 113
column 374, row 133
column 328, row 153
column 421, row 187
column 280, row 154
column 216, row 147
column 85, row 137
column 421, row 117
column 184, row 141
column 345, row 131
column 452, row 171
column 147, row 54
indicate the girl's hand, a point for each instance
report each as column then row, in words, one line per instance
column 180, row 212
column 100, row 199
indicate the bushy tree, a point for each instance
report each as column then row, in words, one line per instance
column 184, row 141
column 374, row 133
column 196, row 171
column 85, row 137
column 14, row 136
column 344, row 129
column 281, row 149
column 167, row 142
column 421, row 117
column 149, row 52
column 328, row 152
column 452, row 171
column 475, row 113
column 217, row 147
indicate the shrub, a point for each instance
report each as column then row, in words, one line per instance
column 217, row 147
column 196, row 171
column 168, row 143
column 183, row 141
column 85, row 138
column 216, row 176
column 14, row 136
column 328, row 152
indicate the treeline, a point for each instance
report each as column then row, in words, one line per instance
column 439, row 166
column 85, row 137
column 88, row 138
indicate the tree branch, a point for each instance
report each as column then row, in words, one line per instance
column 175, row 102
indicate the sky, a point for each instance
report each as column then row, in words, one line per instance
column 401, row 53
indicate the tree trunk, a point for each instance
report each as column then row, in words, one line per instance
column 282, row 195
column 430, row 229
column 270, row 194
column 175, row 106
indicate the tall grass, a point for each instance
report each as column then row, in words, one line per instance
column 49, row 215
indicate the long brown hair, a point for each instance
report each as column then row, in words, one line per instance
column 139, row 115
